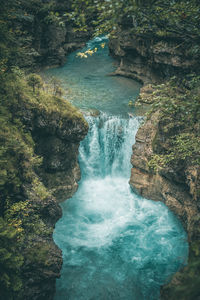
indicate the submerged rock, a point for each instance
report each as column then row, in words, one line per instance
column 91, row 112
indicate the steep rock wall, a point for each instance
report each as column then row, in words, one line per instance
column 57, row 139
column 150, row 59
column 177, row 185
column 50, row 33
column 40, row 136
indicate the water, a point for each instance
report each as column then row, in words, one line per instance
column 116, row 245
column 88, row 85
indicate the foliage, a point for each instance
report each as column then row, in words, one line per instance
column 90, row 52
column 35, row 81
column 168, row 18
column 24, row 96
column 54, row 18
column 20, row 187
column 23, row 196
column 10, row 261
column 179, row 114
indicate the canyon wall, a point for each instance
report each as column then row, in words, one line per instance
column 57, row 135
column 150, row 58
column 40, row 136
column 49, row 34
column 175, row 183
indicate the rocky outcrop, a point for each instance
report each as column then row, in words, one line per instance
column 42, row 258
column 54, row 42
column 166, row 185
column 41, row 135
column 48, row 34
column 52, row 33
column 150, row 59
column 177, row 185
column 57, row 141
column 57, row 136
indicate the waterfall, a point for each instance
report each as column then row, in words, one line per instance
column 106, row 150
column 116, row 245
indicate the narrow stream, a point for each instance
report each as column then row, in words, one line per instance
column 116, row 245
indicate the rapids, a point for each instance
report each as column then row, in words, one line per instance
column 115, row 244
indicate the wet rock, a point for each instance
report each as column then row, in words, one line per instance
column 91, row 112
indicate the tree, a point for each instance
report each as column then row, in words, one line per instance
column 35, row 81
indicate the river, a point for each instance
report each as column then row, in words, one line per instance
column 116, row 245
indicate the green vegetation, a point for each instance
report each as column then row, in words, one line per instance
column 176, row 146
column 169, row 18
column 23, row 196
column 179, row 115
column 10, row 260
column 24, row 96
column 17, row 164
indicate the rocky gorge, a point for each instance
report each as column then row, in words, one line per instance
column 40, row 137
column 43, row 163
column 175, row 183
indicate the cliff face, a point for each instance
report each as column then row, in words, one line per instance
column 57, row 136
column 57, row 140
column 49, row 34
column 176, row 186
column 150, row 58
column 165, row 168
column 53, row 42
column 39, row 139
column 40, row 136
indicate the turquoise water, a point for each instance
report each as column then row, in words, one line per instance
column 115, row 244
column 88, row 85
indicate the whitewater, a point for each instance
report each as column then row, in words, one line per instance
column 115, row 244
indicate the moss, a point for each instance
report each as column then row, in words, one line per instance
column 26, row 206
column 176, row 147
column 177, row 139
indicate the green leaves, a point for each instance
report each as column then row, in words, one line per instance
column 179, row 125
column 10, row 261
column 169, row 18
